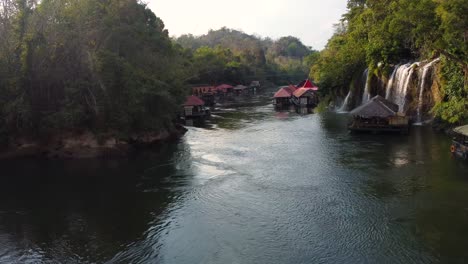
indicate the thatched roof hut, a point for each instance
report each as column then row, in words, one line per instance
column 376, row 107
column 463, row 130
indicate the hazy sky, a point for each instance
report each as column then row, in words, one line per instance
column 310, row 20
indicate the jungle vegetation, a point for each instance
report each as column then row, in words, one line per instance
column 377, row 34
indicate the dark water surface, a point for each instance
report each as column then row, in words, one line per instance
column 255, row 187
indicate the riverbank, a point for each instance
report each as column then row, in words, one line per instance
column 87, row 144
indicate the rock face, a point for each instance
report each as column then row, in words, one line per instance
column 85, row 144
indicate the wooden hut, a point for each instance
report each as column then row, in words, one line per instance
column 460, row 142
column 241, row 90
column 206, row 93
column 282, row 97
column 378, row 115
column 225, row 89
column 254, row 86
column 194, row 107
column 305, row 97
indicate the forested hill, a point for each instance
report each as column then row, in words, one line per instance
column 86, row 64
column 378, row 34
column 234, row 56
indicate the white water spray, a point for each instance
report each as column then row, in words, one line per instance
column 366, row 93
column 344, row 106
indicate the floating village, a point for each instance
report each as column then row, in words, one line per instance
column 368, row 113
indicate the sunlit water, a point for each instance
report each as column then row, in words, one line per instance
column 255, row 186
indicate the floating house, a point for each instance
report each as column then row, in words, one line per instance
column 241, row 90
column 305, row 95
column 194, row 107
column 206, row 93
column 225, row 89
column 198, row 91
column 460, row 142
column 255, row 84
column 378, row 115
column 282, row 97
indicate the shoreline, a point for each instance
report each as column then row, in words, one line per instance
column 87, row 145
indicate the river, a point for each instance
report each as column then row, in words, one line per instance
column 255, row 186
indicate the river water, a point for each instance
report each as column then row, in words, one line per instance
column 255, row 186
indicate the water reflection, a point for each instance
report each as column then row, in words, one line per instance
column 84, row 211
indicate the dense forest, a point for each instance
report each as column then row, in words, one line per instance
column 236, row 57
column 378, row 34
column 111, row 66
column 74, row 64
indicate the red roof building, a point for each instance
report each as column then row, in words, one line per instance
column 301, row 91
column 224, row 88
column 194, row 101
column 308, row 84
column 203, row 90
column 286, row 91
column 283, row 93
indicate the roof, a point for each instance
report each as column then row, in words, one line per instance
column 224, row 87
column 301, row 91
column 283, row 93
column 292, row 88
column 462, row 130
column 193, row 101
column 307, row 84
column 376, row 107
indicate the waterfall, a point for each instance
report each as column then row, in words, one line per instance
column 425, row 70
column 345, row 105
column 390, row 83
column 366, row 93
column 401, row 82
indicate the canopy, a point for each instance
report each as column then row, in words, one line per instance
column 462, row 130
column 376, row 107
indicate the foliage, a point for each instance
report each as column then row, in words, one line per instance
column 454, row 107
column 389, row 32
column 227, row 55
column 83, row 63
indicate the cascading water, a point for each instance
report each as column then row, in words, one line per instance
column 402, row 79
column 425, row 71
column 390, row 83
column 346, row 102
column 366, row 93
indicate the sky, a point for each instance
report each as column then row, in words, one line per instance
column 310, row 20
